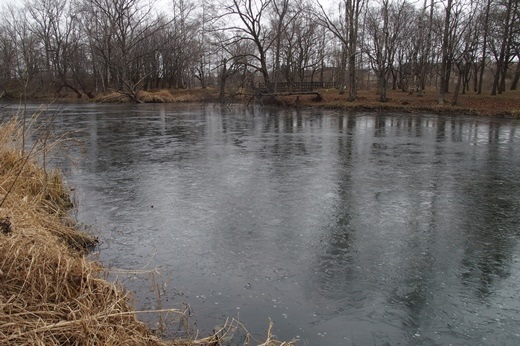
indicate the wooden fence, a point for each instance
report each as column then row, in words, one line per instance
column 277, row 87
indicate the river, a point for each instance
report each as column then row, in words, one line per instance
column 343, row 228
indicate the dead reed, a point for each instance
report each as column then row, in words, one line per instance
column 49, row 293
column 160, row 96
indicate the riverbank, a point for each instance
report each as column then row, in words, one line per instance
column 506, row 104
column 50, row 292
column 503, row 105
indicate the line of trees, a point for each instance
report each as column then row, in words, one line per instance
column 96, row 46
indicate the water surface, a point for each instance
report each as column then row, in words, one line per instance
column 343, row 228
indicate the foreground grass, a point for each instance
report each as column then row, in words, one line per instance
column 50, row 293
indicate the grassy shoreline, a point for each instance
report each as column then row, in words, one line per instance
column 50, row 294
column 502, row 105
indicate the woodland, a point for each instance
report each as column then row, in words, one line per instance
column 86, row 48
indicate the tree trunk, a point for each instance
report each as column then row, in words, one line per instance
column 516, row 77
column 342, row 70
column 484, row 47
column 419, row 45
column 501, row 59
column 352, row 91
column 445, row 46
column 223, row 78
column 475, row 76
column 455, row 99
column 426, row 54
column 353, row 9
column 449, row 65
column 509, row 44
column 384, row 56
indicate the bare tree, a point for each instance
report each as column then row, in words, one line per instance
column 384, row 26
column 251, row 15
column 28, row 62
column 445, row 52
column 422, row 46
column 8, row 56
column 376, row 47
column 485, row 30
column 516, row 77
column 89, row 46
column 502, row 63
column 57, row 26
column 515, row 43
column 117, row 30
column 202, row 67
column 280, row 11
column 283, row 16
column 303, row 49
column 183, row 51
column 346, row 29
column 233, row 58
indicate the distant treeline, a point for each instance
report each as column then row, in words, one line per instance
column 96, row 46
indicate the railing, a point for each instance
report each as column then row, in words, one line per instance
column 294, row 87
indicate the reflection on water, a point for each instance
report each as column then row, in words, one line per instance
column 343, row 228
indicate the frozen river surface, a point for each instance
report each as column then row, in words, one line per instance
column 343, row 228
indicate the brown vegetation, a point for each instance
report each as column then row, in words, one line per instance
column 161, row 96
column 505, row 105
column 49, row 293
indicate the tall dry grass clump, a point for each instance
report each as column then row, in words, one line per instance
column 49, row 293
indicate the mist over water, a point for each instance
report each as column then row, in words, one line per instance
column 343, row 228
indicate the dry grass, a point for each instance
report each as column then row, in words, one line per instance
column 162, row 96
column 113, row 97
column 50, row 294
column 506, row 104
column 173, row 96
